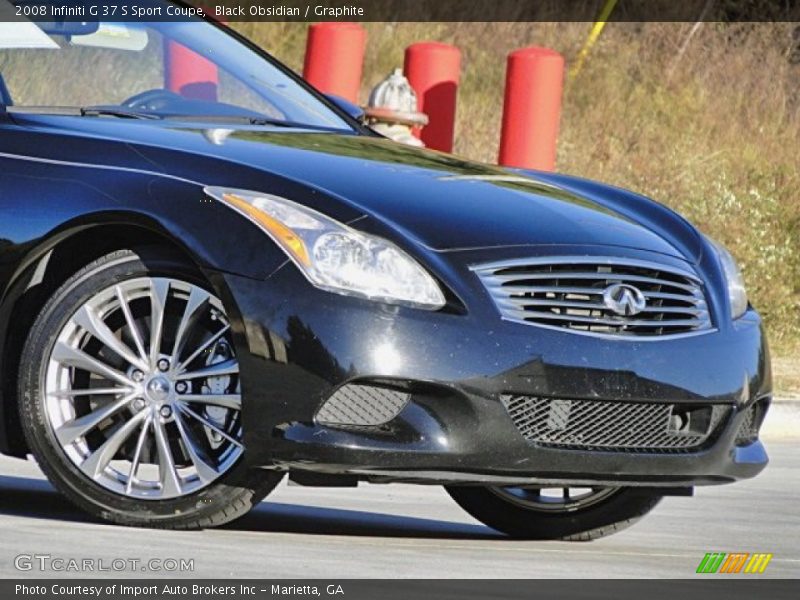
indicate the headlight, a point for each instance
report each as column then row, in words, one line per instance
column 335, row 257
column 736, row 291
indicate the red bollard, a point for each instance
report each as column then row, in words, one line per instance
column 189, row 74
column 534, row 82
column 335, row 58
column 433, row 70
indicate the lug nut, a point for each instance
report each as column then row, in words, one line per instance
column 181, row 387
column 139, row 403
column 165, row 412
column 137, row 375
column 163, row 365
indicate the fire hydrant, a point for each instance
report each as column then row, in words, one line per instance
column 392, row 110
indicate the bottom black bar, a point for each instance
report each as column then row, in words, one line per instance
column 730, row 588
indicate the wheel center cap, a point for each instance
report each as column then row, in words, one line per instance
column 158, row 389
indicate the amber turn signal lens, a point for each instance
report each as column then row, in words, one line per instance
column 282, row 234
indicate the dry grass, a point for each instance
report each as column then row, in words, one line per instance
column 786, row 374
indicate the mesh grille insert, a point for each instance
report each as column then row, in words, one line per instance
column 361, row 406
column 748, row 430
column 613, row 426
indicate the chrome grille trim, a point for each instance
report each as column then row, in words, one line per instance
column 566, row 293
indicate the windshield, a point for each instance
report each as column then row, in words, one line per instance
column 186, row 69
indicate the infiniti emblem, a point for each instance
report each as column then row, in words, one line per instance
column 158, row 389
column 624, row 299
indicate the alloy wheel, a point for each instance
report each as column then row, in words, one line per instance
column 142, row 389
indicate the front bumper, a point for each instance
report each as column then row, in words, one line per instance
column 298, row 345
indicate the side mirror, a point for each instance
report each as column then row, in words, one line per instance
column 354, row 110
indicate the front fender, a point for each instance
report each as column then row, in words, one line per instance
column 41, row 212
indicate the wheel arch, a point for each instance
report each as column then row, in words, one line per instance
column 44, row 268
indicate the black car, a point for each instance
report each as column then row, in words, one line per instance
column 207, row 288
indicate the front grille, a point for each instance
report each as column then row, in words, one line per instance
column 613, row 426
column 577, row 293
column 361, row 406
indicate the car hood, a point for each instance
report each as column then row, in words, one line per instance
column 448, row 203
column 441, row 201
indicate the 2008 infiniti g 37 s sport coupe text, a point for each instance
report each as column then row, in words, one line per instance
column 209, row 286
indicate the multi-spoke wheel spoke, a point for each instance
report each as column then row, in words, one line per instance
column 113, row 391
column 143, row 389
column 73, row 357
column 202, row 348
column 90, row 322
column 101, row 457
column 137, row 453
column 202, row 462
column 554, row 499
column 133, row 328
column 232, row 401
column 198, row 300
column 206, row 422
column 168, row 472
column 76, row 428
column 228, row 367
column 158, row 298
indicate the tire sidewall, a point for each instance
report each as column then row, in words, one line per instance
column 609, row 515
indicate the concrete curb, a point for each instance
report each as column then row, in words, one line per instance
column 783, row 420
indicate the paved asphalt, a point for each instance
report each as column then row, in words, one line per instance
column 395, row 531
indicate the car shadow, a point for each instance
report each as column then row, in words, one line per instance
column 278, row 517
column 36, row 498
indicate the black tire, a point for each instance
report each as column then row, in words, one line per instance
column 617, row 511
column 223, row 500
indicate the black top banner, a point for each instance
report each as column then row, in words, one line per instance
column 405, row 10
